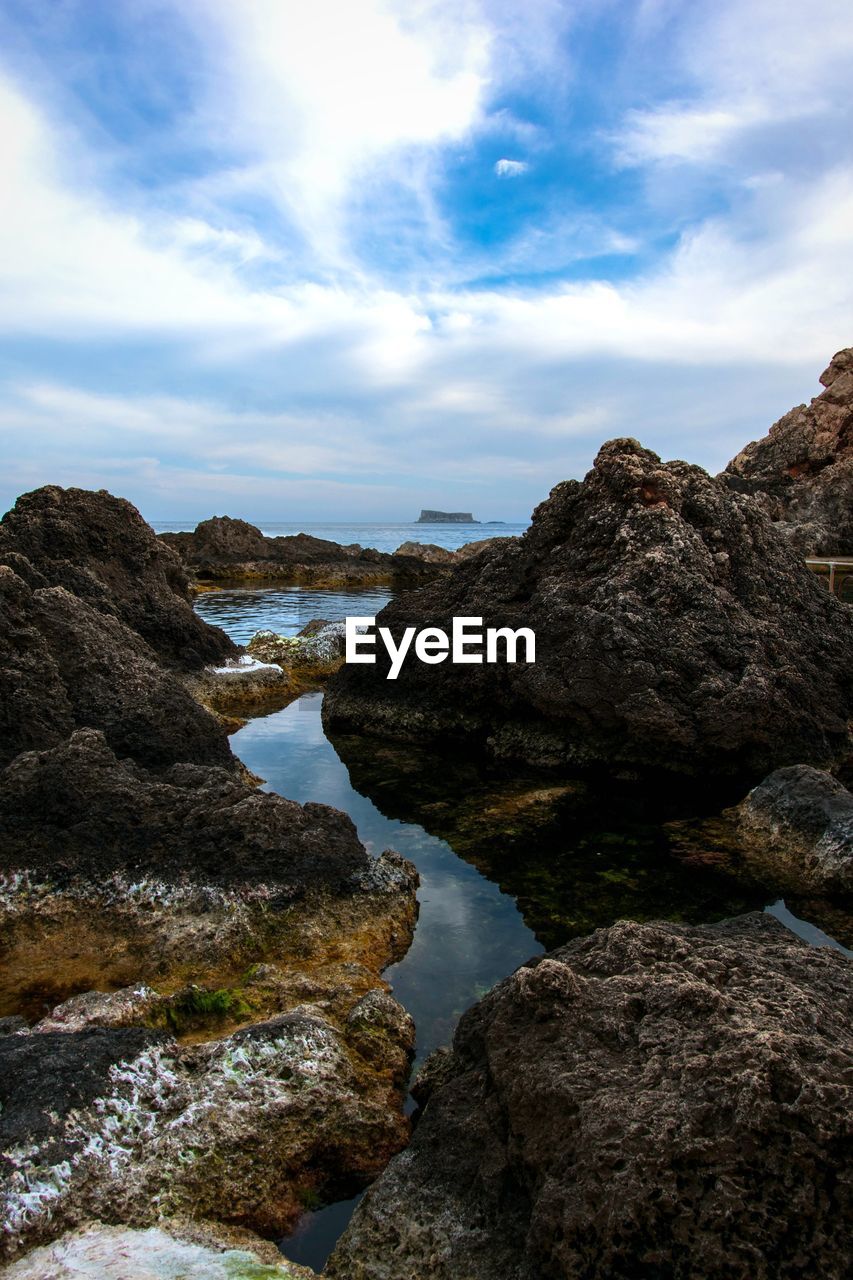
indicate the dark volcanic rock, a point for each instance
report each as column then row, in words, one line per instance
column 75, row 809
column 650, row 1101
column 675, row 629
column 100, row 549
column 802, row 470
column 65, row 664
column 225, row 549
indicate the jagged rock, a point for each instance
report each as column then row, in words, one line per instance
column 225, row 549
column 802, row 470
column 100, row 549
column 65, row 664
column 75, row 809
column 795, row 829
column 124, row 1126
column 125, row 1253
column 675, row 629
column 652, row 1100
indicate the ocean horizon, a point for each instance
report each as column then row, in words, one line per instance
column 379, row 535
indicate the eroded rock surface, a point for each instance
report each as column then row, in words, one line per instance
column 125, row 1126
column 652, row 1100
column 223, row 549
column 802, row 470
column 675, row 629
column 101, row 550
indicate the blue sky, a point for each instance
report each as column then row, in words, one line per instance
column 347, row 259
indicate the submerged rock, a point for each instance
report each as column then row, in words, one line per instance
column 795, row 829
column 153, row 1253
column 651, row 1100
column 223, row 549
column 802, row 470
column 675, row 630
column 101, row 550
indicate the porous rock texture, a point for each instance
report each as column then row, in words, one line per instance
column 802, row 470
column 123, row 1125
column 652, row 1100
column 224, row 549
column 794, row 830
column 66, row 664
column 100, row 549
column 675, row 629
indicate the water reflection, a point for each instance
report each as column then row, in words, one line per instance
column 470, row 934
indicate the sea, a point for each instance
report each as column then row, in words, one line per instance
column 382, row 537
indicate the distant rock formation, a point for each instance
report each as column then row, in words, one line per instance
column 675, row 630
column 652, row 1100
column 802, row 470
column 224, row 549
column 446, row 517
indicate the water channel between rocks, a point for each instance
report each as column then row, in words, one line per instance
column 567, row 863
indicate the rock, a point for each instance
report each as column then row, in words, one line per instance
column 223, row 549
column 427, row 551
column 123, row 1126
column 469, row 549
column 309, row 658
column 76, row 809
column 66, row 664
column 241, row 683
column 122, row 1253
column 795, row 829
column 655, row 1100
column 101, row 550
column 802, row 470
column 446, row 517
column 675, row 630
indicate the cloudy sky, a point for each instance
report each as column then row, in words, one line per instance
column 347, row 258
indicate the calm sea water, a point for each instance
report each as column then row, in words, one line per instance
column 384, row 537
column 504, row 873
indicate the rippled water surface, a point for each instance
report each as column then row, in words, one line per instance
column 241, row 612
column 509, row 864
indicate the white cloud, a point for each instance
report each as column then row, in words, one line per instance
column 319, row 95
column 511, row 168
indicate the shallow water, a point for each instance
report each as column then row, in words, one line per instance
column 384, row 537
column 241, row 612
column 510, row 864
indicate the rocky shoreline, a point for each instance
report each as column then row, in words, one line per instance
column 224, row 550
column 196, row 1040
column 243, row 1054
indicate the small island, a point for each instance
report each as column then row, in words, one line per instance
column 446, row 517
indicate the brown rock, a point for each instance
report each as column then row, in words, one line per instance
column 802, row 470
column 653, row 1100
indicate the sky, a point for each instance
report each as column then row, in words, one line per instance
column 347, row 259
